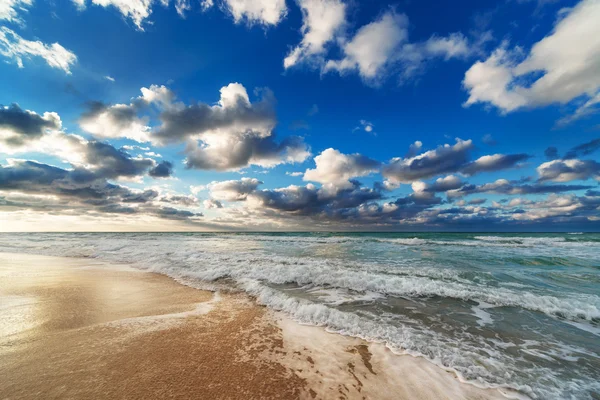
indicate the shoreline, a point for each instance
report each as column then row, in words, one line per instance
column 85, row 328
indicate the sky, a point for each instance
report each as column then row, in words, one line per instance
column 282, row 115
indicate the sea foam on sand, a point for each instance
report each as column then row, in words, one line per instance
column 80, row 328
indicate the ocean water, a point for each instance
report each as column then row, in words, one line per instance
column 518, row 311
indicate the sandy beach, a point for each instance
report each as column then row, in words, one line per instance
column 81, row 328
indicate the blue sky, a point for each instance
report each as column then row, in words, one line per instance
column 319, row 100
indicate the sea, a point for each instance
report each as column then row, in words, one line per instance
column 516, row 311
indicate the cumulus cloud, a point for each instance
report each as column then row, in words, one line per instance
column 10, row 10
column 382, row 48
column 15, row 48
column 312, row 201
column 322, row 20
column 569, row 170
column 233, row 190
column 211, row 203
column 264, row 12
column 444, row 159
column 494, row 162
column 504, row 186
column 567, row 61
column 162, row 170
column 18, row 126
column 232, row 134
column 373, row 47
column 79, row 190
column 112, row 121
column 26, row 131
column 336, row 169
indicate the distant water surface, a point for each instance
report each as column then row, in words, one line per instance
column 505, row 310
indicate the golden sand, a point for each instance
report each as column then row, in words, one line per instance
column 82, row 329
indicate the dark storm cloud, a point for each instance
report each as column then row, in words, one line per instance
column 25, row 125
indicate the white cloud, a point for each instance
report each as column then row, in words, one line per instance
column 382, row 47
column 337, row 169
column 137, row 10
column 569, row 170
column 211, row 203
column 265, row 12
column 233, row 190
column 16, row 48
column 373, row 47
column 109, row 78
column 365, row 126
column 322, row 20
column 455, row 45
column 118, row 120
column 568, row 60
column 444, row 159
column 298, row 173
column 10, row 9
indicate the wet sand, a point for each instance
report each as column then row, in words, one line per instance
column 81, row 329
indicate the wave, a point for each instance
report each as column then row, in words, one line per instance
column 417, row 271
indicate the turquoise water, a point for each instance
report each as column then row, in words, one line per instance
column 501, row 310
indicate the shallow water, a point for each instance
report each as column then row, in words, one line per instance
column 504, row 310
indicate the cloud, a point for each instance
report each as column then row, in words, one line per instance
column 365, row 126
column 569, row 170
column 551, row 153
column 233, row 190
column 211, row 203
column 18, row 126
column 449, row 182
column 162, row 170
column 18, row 49
column 382, row 48
column 81, row 191
column 444, row 159
column 336, row 169
column 10, row 9
column 584, row 149
column 312, row 201
column 322, row 20
column 109, row 78
column 489, row 140
column 371, row 50
column 494, row 162
column 232, row 134
column 125, row 120
column 24, row 131
column 298, row 173
column 264, row 12
column 559, row 68
column 503, row 186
